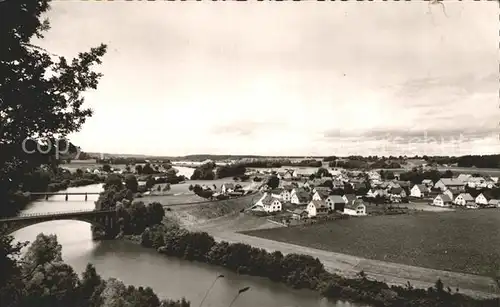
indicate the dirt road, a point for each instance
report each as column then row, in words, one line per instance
column 391, row 273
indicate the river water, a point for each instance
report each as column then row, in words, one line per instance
column 169, row 277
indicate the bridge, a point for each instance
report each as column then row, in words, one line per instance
column 47, row 194
column 104, row 220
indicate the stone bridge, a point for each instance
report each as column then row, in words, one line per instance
column 103, row 220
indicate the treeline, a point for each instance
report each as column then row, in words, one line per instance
column 298, row 271
column 41, row 279
column 210, row 171
column 416, row 176
column 133, row 216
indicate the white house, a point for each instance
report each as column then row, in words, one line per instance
column 320, row 194
column 442, row 200
column 356, row 208
column 463, row 198
column 268, row 203
column 227, row 188
column 349, row 198
column 317, row 207
column 482, row 199
column 477, row 182
column 419, row 191
column 494, row 203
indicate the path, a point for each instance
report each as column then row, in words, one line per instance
column 391, row 273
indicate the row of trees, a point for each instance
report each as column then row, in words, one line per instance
column 40, row 278
column 298, row 271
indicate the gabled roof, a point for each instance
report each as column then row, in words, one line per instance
column 486, row 195
column 354, row 205
column 336, row 199
column 299, row 211
column 426, row 181
column 319, row 204
column 494, row 202
column 276, row 191
column 444, row 197
column 323, row 193
column 421, row 187
column 452, row 182
column 229, row 185
column 396, row 190
column 466, row 196
column 303, row 196
column 350, row 197
column 269, row 199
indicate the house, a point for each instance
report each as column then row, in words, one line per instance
column 397, row 192
column 371, row 193
column 288, row 175
column 356, row 208
column 160, row 189
column 227, row 187
column 464, row 177
column 335, row 203
column 450, row 183
column 482, row 199
column 442, row 200
column 463, row 198
column 419, row 191
column 337, row 184
column 450, row 194
column 299, row 214
column 494, row 203
column 317, row 207
column 268, row 203
column 428, row 183
column 320, row 193
column 276, row 193
column 477, row 182
column 300, row 197
column 349, row 198
column 392, row 185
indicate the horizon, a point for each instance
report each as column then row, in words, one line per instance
column 339, row 79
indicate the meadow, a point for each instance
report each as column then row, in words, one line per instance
column 460, row 241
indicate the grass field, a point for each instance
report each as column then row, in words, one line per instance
column 461, row 241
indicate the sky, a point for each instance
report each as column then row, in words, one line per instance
column 287, row 78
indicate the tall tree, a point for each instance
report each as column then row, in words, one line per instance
column 40, row 94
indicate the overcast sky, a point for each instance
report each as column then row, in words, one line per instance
column 287, row 78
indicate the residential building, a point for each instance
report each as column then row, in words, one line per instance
column 477, row 182
column 464, row 177
column 288, row 175
column 463, row 198
column 317, row 207
column 449, row 193
column 397, row 192
column 453, row 184
column 356, row 208
column 335, row 203
column 320, row 194
column 268, row 203
column 227, row 187
column 300, row 197
column 482, row 199
column 442, row 200
column 299, row 214
column 428, row 183
column 494, row 203
column 349, row 198
column 419, row 191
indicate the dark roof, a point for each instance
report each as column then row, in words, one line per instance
column 319, row 203
column 336, row 199
column 396, row 190
column 303, row 196
column 350, row 197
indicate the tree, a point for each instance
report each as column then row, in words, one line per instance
column 138, row 169
column 40, row 95
column 273, row 182
column 106, row 168
column 131, row 183
column 147, row 169
column 322, row 172
column 113, row 180
column 79, row 172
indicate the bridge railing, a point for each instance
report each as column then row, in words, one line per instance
column 21, row 216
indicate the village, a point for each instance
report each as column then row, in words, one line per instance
column 305, row 195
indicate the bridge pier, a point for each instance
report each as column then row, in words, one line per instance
column 66, row 198
column 46, row 196
column 85, row 196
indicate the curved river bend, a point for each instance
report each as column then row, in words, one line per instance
column 169, row 277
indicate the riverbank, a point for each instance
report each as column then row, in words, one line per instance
column 296, row 270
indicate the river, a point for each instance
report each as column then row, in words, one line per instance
column 169, row 277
